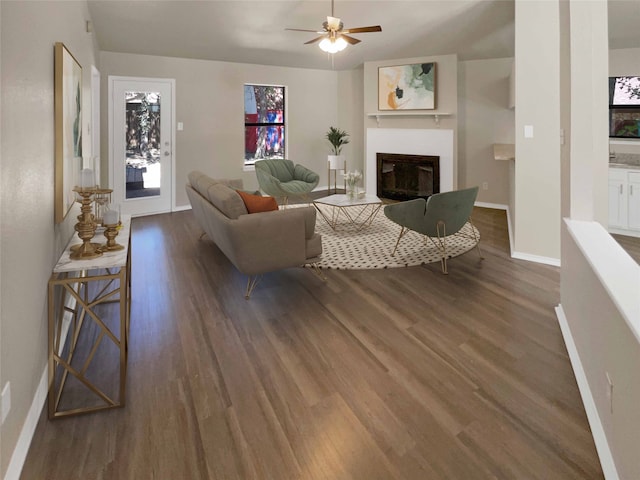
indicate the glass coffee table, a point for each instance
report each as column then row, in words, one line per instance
column 345, row 205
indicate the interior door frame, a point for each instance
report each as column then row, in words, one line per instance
column 172, row 83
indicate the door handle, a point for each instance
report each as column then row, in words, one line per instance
column 166, row 154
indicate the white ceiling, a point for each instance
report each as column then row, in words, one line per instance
column 250, row 31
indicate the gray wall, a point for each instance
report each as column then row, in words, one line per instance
column 537, row 165
column 31, row 243
column 484, row 119
column 350, row 107
column 209, row 102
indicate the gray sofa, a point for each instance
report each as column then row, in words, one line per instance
column 255, row 243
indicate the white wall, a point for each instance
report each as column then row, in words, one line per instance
column 537, row 165
column 209, row 102
column 31, row 243
column 484, row 118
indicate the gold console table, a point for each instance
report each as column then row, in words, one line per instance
column 89, row 312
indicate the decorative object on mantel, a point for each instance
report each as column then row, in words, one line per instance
column 407, row 87
column 352, row 179
column 111, row 222
column 337, row 138
column 86, row 226
column 68, row 129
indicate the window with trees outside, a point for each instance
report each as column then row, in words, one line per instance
column 264, row 122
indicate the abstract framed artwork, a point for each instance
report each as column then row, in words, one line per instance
column 68, row 128
column 407, row 87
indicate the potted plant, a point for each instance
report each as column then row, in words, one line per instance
column 337, row 138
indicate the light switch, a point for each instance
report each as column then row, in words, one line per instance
column 180, row 126
column 528, row 131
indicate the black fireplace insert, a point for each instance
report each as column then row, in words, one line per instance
column 405, row 177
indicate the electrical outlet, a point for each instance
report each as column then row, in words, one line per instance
column 609, row 391
column 485, row 185
column 6, row 400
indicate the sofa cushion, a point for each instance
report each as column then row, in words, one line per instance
column 258, row 203
column 201, row 182
column 226, row 200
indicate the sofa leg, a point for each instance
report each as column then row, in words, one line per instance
column 252, row 281
column 318, row 271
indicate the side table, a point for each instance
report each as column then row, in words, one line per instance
column 89, row 315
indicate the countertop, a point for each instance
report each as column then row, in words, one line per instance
column 625, row 160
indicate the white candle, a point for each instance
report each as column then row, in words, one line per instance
column 110, row 217
column 87, row 179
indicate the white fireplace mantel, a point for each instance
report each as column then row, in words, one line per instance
column 410, row 141
column 408, row 113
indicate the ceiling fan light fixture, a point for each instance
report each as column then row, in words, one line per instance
column 333, row 45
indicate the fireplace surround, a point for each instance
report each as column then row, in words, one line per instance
column 410, row 141
column 405, row 177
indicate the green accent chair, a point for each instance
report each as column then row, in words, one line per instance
column 283, row 179
column 437, row 218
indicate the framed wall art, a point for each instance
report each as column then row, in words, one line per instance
column 407, row 87
column 68, row 128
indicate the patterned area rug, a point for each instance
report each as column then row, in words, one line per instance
column 348, row 248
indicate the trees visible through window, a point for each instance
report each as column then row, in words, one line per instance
column 264, row 122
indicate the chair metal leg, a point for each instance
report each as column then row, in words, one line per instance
column 252, row 281
column 403, row 231
column 475, row 238
column 442, row 238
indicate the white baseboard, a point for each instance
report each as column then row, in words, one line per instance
column 599, row 437
column 39, row 398
column 536, row 258
column 628, row 233
column 495, row 206
column 28, row 428
column 182, row 208
column 510, row 230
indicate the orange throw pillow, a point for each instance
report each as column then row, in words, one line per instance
column 258, row 203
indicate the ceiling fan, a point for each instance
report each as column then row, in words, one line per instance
column 334, row 37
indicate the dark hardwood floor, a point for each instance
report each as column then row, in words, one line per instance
column 378, row 374
column 630, row 244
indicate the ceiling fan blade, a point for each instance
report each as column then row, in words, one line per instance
column 376, row 28
column 302, row 30
column 350, row 40
column 317, row 39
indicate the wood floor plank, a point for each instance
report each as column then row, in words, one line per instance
column 403, row 373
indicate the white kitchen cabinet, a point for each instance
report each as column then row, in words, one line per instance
column 624, row 201
column 633, row 205
column 617, row 197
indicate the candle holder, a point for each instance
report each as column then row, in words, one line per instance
column 102, row 199
column 111, row 232
column 86, row 227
